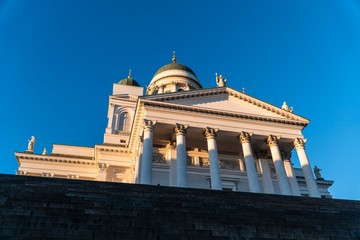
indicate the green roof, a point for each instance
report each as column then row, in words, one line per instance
column 175, row 66
column 129, row 81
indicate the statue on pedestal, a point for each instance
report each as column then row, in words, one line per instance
column 317, row 172
column 286, row 107
column 31, row 144
column 220, row 80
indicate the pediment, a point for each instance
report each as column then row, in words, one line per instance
column 225, row 100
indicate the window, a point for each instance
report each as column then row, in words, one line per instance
column 124, row 122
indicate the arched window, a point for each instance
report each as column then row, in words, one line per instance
column 124, row 122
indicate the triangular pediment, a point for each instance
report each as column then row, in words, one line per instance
column 227, row 100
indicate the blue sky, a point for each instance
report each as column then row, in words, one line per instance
column 59, row 59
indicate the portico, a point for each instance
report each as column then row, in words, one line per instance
column 216, row 155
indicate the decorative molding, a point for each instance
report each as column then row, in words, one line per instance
column 21, row 173
column 210, row 132
column 204, row 162
column 73, row 176
column 103, row 166
column 272, row 140
column 245, row 137
column 224, row 113
column 159, row 158
column 57, row 159
column 229, row 164
column 180, row 129
column 171, row 144
column 48, row 175
column 298, row 120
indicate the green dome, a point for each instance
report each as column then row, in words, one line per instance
column 129, row 81
column 174, row 66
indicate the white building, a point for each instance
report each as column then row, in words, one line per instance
column 180, row 134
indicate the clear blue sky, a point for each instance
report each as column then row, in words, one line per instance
column 59, row 59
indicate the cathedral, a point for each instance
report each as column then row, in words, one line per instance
column 180, row 134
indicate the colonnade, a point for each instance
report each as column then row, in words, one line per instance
column 285, row 174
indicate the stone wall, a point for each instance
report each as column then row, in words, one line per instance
column 43, row 208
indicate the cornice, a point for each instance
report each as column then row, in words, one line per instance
column 198, row 109
column 119, row 99
column 225, row 90
column 110, row 148
column 50, row 158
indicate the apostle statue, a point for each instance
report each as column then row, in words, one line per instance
column 317, row 172
column 31, row 144
column 220, row 80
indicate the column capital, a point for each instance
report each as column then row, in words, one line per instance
column 299, row 143
column 210, row 132
column 245, row 137
column 272, row 140
column 149, row 125
column 180, row 129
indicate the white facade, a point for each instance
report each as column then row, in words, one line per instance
column 182, row 135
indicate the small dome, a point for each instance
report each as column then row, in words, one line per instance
column 129, row 81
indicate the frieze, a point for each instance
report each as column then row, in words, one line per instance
column 159, row 158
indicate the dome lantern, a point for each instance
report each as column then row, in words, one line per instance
column 173, row 77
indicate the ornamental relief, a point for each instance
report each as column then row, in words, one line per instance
column 159, row 158
column 204, row 162
column 229, row 164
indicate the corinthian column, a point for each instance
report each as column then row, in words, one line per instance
column 146, row 160
column 180, row 132
column 253, row 181
column 284, row 185
column 210, row 134
column 305, row 165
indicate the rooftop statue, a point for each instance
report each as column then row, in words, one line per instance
column 286, row 107
column 31, row 143
column 317, row 172
column 220, row 80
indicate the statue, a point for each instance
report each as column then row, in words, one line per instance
column 31, row 143
column 44, row 152
column 220, row 80
column 317, row 172
column 286, row 107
